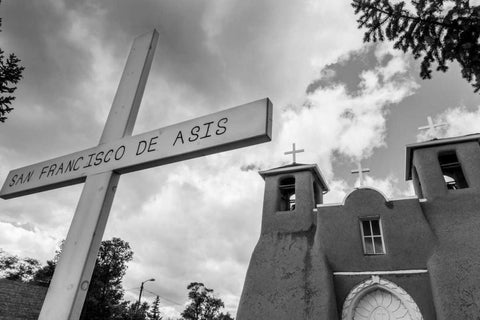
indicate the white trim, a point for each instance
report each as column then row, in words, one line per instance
column 423, row 200
column 357, row 273
column 321, row 205
column 405, row 198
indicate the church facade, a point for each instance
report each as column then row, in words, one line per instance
column 371, row 257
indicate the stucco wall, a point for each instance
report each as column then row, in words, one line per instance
column 407, row 236
column 409, row 242
column 455, row 266
column 287, row 279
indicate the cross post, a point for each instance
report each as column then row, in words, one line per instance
column 294, row 152
column 70, row 282
column 118, row 152
column 431, row 127
column 360, row 172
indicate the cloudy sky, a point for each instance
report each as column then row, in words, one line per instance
column 198, row 220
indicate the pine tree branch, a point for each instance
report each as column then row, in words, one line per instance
column 430, row 35
column 359, row 4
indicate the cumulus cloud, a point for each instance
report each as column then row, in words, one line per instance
column 27, row 241
column 200, row 226
column 456, row 122
column 353, row 124
column 338, row 190
column 388, row 186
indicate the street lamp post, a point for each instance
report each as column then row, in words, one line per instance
column 141, row 290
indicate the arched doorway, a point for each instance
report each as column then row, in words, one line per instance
column 379, row 299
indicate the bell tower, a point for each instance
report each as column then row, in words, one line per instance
column 445, row 167
column 286, row 266
column 446, row 175
column 291, row 194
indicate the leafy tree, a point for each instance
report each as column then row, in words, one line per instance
column 438, row 31
column 105, row 293
column 133, row 312
column 104, row 298
column 44, row 275
column 10, row 75
column 203, row 305
column 154, row 313
column 15, row 268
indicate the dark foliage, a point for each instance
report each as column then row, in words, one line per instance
column 435, row 31
column 105, row 293
column 133, row 312
column 44, row 275
column 10, row 75
column 203, row 305
column 154, row 313
column 104, row 298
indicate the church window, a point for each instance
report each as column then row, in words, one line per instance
column 372, row 236
column 452, row 170
column 287, row 194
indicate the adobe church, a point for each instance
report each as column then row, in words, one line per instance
column 371, row 257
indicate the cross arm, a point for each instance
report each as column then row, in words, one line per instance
column 233, row 128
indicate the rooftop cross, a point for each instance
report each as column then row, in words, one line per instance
column 431, row 126
column 119, row 152
column 360, row 172
column 294, row 152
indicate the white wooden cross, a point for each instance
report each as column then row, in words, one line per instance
column 294, row 152
column 360, row 172
column 431, row 126
column 118, row 152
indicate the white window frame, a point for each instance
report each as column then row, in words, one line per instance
column 372, row 236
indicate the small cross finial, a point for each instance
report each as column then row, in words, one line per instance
column 360, row 172
column 294, row 152
column 431, row 126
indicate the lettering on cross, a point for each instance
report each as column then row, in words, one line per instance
column 431, row 127
column 360, row 172
column 118, row 152
column 294, row 152
column 217, row 132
